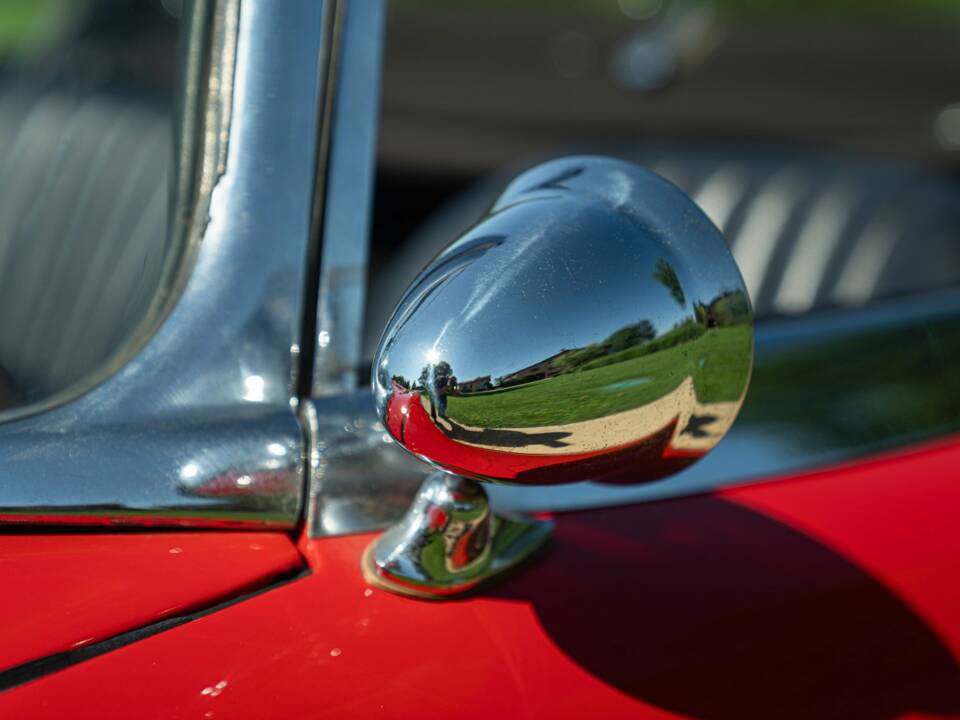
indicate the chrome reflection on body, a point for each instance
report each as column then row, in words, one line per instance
column 197, row 429
column 359, row 478
column 592, row 326
column 606, row 334
column 449, row 541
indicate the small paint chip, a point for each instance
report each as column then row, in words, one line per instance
column 214, row 690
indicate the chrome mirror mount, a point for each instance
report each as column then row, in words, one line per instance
column 592, row 326
column 449, row 541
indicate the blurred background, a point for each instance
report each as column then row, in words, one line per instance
column 822, row 137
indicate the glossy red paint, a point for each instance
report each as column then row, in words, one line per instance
column 62, row 592
column 834, row 594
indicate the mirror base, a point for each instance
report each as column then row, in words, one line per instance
column 450, row 541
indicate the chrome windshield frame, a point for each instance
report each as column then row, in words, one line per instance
column 347, row 201
column 199, row 428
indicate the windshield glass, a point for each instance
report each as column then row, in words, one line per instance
column 86, row 88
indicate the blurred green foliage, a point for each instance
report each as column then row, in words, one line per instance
column 27, row 25
column 901, row 383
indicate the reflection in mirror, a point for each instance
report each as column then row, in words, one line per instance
column 592, row 326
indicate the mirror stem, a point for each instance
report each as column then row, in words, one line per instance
column 450, row 541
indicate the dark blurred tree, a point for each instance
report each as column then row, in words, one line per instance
column 731, row 307
column 439, row 370
column 631, row 335
column 667, row 276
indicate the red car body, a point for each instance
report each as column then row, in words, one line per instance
column 828, row 594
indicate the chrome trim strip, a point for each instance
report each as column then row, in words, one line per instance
column 348, row 200
column 349, row 462
column 199, row 428
column 827, row 388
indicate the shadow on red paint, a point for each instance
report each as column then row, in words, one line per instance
column 705, row 608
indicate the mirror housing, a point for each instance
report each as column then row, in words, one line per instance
column 592, row 325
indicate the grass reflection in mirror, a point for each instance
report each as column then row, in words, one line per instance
column 617, row 382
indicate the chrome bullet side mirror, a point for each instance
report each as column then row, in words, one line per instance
column 592, row 326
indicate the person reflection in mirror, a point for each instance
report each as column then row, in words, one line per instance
column 440, row 383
